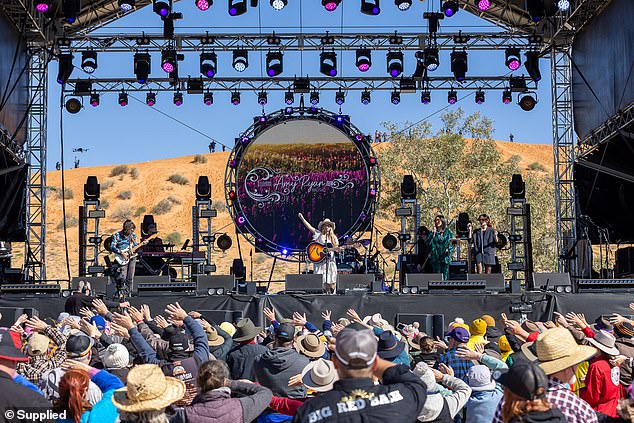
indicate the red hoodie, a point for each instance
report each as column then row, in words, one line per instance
column 603, row 390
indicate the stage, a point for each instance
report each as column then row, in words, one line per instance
column 467, row 306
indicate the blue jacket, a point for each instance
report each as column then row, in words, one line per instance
column 25, row 382
column 482, row 405
column 104, row 411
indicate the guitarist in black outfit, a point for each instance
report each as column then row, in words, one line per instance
column 122, row 241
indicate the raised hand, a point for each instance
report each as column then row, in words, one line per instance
column 437, row 374
column 295, row 380
column 86, row 312
column 299, row 319
column 467, row 354
column 336, row 328
column 326, row 315
column 549, row 324
column 269, row 314
column 74, row 364
column 161, row 322
column 577, row 319
column 70, row 322
column 20, row 320
column 36, row 324
column 194, row 314
column 145, row 309
column 439, row 343
column 176, row 312
column 445, row 369
column 560, row 320
column 354, row 316
column 124, row 320
column 135, row 315
column 100, row 306
column 89, row 329
column 119, row 330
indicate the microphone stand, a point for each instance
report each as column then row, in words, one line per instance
column 251, row 259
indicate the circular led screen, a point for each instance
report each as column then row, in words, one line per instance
column 300, row 166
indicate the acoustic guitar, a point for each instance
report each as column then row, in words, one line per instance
column 318, row 252
column 131, row 251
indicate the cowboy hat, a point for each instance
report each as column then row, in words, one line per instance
column 213, row 339
column 326, row 222
column 246, row 330
column 320, row 375
column 148, row 389
column 557, row 350
column 375, row 320
column 605, row 342
column 309, row 345
column 414, row 341
column 389, row 347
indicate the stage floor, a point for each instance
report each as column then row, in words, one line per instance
column 466, row 306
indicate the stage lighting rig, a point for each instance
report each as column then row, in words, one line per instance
column 42, row 6
column 83, row 87
column 507, row 96
column 89, row 61
column 395, row 97
column 483, row 5
column 425, row 97
column 365, row 97
column 65, row 67
column 94, row 99
column 162, row 7
column 563, row 5
column 407, row 85
column 512, row 58
column 273, row 40
column 208, row 98
column 517, row 187
column 328, row 63
column 235, row 98
column 73, row 105
column 479, row 97
column 517, row 84
column 301, row 85
column 330, row 5
column 460, row 38
column 237, row 7
column 142, row 67
column 403, row 5
column 314, row 98
column 535, row 38
column 203, row 4
column 327, row 39
column 432, row 60
column 123, row 99
column 527, row 100
column 71, row 9
column 150, row 99
column 450, row 8
column 126, row 5
column 278, row 4
column 394, row 63
column 532, row 65
column 370, row 7
column 262, row 98
column 364, row 59
column 459, row 65
column 433, row 21
column 274, row 63
column 208, row 64
column 340, row 97
column 452, row 97
column 240, row 60
column 289, row 98
column 395, row 39
column 169, row 60
column 178, row 99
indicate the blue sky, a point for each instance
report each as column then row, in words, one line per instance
column 115, row 134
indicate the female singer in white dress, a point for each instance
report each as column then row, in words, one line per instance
column 325, row 235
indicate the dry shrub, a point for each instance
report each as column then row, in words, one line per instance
column 178, row 179
column 162, row 207
column 119, row 170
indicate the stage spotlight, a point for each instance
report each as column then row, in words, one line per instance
column 479, row 97
column 235, row 98
column 274, row 63
column 526, row 101
column 208, row 98
column 203, row 4
column 42, row 6
column 517, row 187
column 168, row 60
column 395, row 97
column 340, row 98
column 142, row 67
column 123, row 99
column 178, row 99
column 394, row 63
column 563, row 5
column 237, row 7
column 94, row 100
column 483, row 5
column 162, row 7
column 425, row 97
column 452, row 97
column 431, row 59
column 364, row 59
column 65, row 67
column 208, row 64
column 532, row 65
column 278, row 4
column 314, row 98
column 240, row 60
column 224, row 242
column 89, row 61
column 459, row 65
column 71, row 9
column 289, row 98
column 339, row 119
column 507, row 96
column 73, row 105
column 330, row 5
column 288, row 110
column 403, row 4
column 150, row 99
column 512, row 59
column 262, row 98
column 328, row 63
column 370, row 7
column 365, row 97
column 450, row 8
column 126, row 5
column 389, row 242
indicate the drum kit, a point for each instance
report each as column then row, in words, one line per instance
column 353, row 261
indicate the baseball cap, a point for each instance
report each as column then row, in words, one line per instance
column 285, row 332
column 178, row 342
column 524, row 379
column 356, row 347
column 99, row 321
column 8, row 349
column 459, row 334
column 78, row 345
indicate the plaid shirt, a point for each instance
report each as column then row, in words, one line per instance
column 37, row 365
column 573, row 408
column 460, row 366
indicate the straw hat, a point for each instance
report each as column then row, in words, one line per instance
column 213, row 339
column 375, row 320
column 326, row 222
column 414, row 341
column 557, row 350
column 320, row 375
column 148, row 389
column 309, row 345
column 605, row 342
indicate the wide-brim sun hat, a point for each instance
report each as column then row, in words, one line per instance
column 309, row 345
column 557, row 350
column 246, row 330
column 213, row 339
column 326, row 222
column 320, row 375
column 605, row 342
column 148, row 389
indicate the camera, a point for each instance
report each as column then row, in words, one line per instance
column 521, row 308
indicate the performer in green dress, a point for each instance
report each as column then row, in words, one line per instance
column 441, row 248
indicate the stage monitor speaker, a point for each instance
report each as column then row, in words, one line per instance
column 10, row 274
column 515, row 286
column 624, row 267
column 605, row 285
column 11, row 314
column 219, row 316
column 458, row 270
column 558, row 282
column 308, row 283
column 214, row 284
column 421, row 280
column 247, row 288
column 362, row 282
column 455, row 286
column 31, row 289
column 149, row 285
column 98, row 284
column 431, row 324
column 494, row 281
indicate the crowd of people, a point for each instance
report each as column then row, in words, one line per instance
column 101, row 364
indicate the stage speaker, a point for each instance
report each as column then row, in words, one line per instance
column 134, row 289
column 11, row 314
column 219, row 316
column 458, row 270
column 432, row 324
column 421, row 280
column 11, row 275
column 31, row 289
column 308, row 283
column 353, row 282
column 494, row 281
column 377, row 286
column 248, row 288
column 558, row 282
column 624, row 262
column 462, row 286
column 605, row 285
column 238, row 269
column 98, row 284
column 515, row 286
column 214, row 284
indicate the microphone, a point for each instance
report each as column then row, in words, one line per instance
column 185, row 245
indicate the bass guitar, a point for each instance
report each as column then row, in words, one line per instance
column 121, row 258
column 317, row 252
